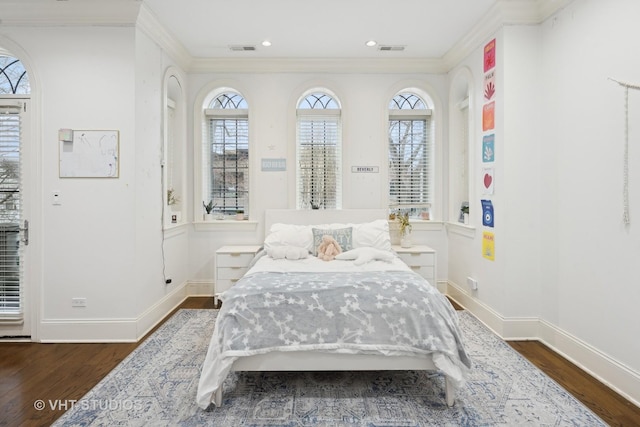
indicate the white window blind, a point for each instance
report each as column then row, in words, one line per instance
column 229, row 164
column 319, row 158
column 11, row 305
column 410, row 154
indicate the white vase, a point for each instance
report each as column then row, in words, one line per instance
column 405, row 241
column 208, row 217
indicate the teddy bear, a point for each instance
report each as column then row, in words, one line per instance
column 328, row 248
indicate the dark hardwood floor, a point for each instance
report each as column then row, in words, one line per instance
column 59, row 374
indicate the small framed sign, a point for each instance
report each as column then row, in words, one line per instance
column 365, row 169
column 274, row 165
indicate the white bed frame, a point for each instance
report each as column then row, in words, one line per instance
column 319, row 361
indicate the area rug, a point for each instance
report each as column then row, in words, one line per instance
column 156, row 386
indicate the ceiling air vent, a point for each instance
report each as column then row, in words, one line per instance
column 240, row 48
column 388, row 48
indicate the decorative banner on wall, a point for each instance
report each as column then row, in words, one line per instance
column 488, row 116
column 487, row 181
column 490, row 55
column 488, row 150
column 487, row 213
column 488, row 245
column 489, row 85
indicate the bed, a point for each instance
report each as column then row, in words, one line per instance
column 364, row 310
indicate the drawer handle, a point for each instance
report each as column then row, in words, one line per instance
column 235, row 254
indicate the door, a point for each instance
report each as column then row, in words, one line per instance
column 14, row 229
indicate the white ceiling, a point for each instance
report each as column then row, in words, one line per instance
column 318, row 28
column 201, row 31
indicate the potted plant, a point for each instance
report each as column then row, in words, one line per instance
column 240, row 214
column 464, row 213
column 208, row 207
column 405, row 229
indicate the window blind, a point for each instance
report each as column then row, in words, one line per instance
column 11, row 305
column 319, row 159
column 409, row 162
column 229, row 163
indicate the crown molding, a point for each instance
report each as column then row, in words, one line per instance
column 149, row 24
column 503, row 12
column 317, row 65
column 66, row 13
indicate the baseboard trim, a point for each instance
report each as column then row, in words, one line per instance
column 620, row 378
column 200, row 288
column 111, row 330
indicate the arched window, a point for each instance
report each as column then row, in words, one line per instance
column 174, row 179
column 13, row 77
column 410, row 154
column 226, row 154
column 13, row 81
column 319, row 152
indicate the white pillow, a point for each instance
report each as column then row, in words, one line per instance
column 288, row 252
column 374, row 234
column 289, row 235
column 365, row 254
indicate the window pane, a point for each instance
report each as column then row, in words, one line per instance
column 228, row 157
column 409, row 157
column 13, row 77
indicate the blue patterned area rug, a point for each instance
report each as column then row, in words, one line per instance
column 156, row 386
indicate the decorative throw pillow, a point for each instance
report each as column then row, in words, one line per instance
column 365, row 254
column 342, row 235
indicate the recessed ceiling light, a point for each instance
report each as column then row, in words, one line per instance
column 266, row 43
column 371, row 43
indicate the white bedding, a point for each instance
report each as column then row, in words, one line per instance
column 380, row 307
column 315, row 265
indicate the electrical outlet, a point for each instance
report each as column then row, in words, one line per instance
column 472, row 283
column 78, row 302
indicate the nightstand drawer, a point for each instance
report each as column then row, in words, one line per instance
column 237, row 259
column 417, row 259
column 231, row 272
column 423, row 270
column 224, row 284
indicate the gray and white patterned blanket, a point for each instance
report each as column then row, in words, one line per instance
column 378, row 312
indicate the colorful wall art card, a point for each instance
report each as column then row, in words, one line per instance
column 488, row 116
column 488, row 152
column 490, row 55
column 487, row 213
column 488, row 245
column 489, row 85
column 488, row 181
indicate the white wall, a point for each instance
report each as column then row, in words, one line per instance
column 103, row 243
column 589, row 258
column 565, row 263
column 272, row 99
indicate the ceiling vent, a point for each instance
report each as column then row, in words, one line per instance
column 389, row 48
column 240, row 48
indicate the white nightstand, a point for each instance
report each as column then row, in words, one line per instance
column 421, row 259
column 231, row 264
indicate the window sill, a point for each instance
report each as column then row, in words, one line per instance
column 465, row 230
column 418, row 225
column 226, row 225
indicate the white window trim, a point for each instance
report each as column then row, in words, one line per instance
column 203, row 99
